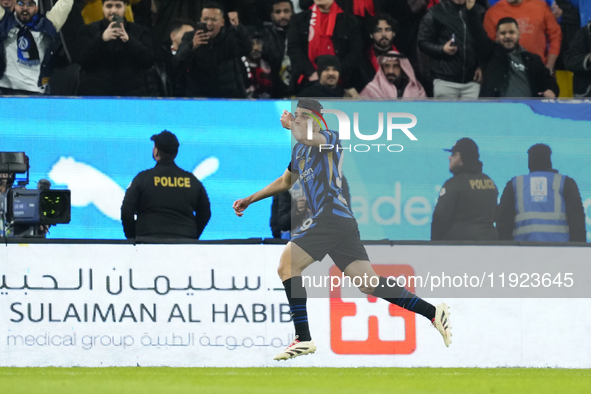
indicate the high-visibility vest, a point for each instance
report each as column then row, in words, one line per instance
column 540, row 211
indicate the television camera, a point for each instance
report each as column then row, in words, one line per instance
column 28, row 212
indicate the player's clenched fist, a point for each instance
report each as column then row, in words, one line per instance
column 239, row 206
column 286, row 118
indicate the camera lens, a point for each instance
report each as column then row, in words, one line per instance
column 54, row 204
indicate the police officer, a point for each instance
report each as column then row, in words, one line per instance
column 543, row 205
column 467, row 202
column 168, row 201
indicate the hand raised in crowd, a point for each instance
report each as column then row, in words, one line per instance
column 548, row 94
column 200, row 38
column 286, row 119
column 450, row 49
column 478, row 75
column 124, row 36
column 233, row 17
column 113, row 33
column 556, row 10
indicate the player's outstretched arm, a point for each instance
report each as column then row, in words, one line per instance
column 279, row 185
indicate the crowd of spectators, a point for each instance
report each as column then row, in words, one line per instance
column 282, row 48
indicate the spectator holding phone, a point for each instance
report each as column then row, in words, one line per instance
column 28, row 42
column 444, row 38
column 509, row 70
column 174, row 78
column 115, row 55
column 213, row 54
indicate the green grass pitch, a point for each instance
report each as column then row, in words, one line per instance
column 293, row 380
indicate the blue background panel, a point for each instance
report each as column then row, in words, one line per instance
column 95, row 147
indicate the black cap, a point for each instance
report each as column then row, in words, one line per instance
column 253, row 32
column 166, row 142
column 325, row 61
column 467, row 148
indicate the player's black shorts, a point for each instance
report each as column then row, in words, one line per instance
column 333, row 235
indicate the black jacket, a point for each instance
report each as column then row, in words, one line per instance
column 280, row 218
column 466, row 207
column 318, row 90
column 346, row 39
column 214, row 68
column 494, row 60
column 577, row 60
column 274, row 39
column 575, row 212
column 165, row 206
column 437, row 27
column 114, row 68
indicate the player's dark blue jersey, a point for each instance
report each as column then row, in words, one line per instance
column 321, row 175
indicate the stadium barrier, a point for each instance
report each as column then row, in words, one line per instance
column 215, row 305
column 96, row 146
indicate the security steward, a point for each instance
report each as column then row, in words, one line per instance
column 543, row 205
column 467, row 203
column 168, row 201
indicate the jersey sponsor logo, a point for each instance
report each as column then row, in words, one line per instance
column 174, row 181
column 538, row 186
column 307, row 175
column 370, row 325
column 482, row 184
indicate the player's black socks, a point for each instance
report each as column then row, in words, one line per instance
column 296, row 296
column 400, row 296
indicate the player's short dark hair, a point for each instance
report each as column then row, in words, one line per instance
column 124, row 1
column 309, row 103
column 273, row 2
column 178, row 23
column 375, row 21
column 213, row 4
column 507, row 19
column 539, row 157
column 167, row 144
